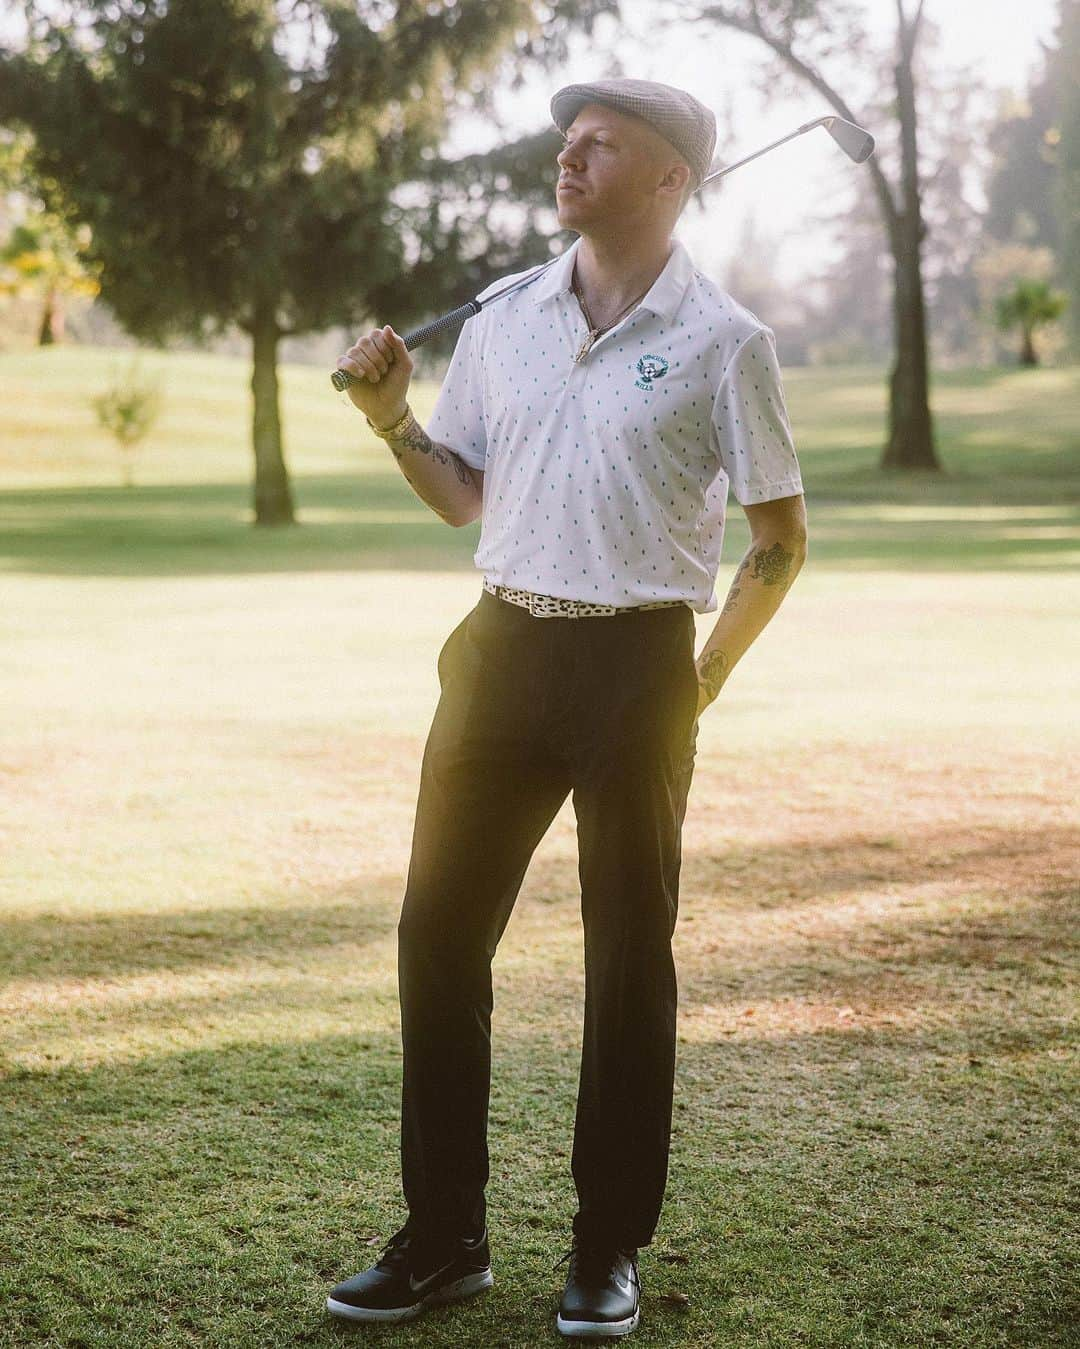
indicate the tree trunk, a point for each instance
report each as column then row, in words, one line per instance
column 1027, row 349
column 911, row 434
column 273, row 494
column 51, row 330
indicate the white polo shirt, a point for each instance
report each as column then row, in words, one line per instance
column 608, row 480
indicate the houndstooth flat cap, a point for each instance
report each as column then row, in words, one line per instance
column 678, row 116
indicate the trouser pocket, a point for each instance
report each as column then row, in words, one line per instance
column 444, row 663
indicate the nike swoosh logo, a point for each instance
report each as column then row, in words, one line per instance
column 426, row 1283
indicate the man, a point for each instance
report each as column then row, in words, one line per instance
column 595, row 418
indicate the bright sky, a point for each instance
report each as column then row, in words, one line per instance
column 997, row 40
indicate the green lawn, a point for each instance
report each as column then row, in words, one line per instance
column 210, row 740
column 1008, row 495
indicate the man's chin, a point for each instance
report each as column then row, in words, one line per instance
column 571, row 206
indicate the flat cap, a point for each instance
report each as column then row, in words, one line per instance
column 683, row 122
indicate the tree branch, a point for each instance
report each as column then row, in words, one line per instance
column 753, row 27
column 908, row 28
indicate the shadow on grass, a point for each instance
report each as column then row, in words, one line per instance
column 823, row 1190
column 66, row 946
column 758, row 879
column 372, row 521
column 206, row 530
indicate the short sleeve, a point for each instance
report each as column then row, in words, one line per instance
column 750, row 423
column 458, row 418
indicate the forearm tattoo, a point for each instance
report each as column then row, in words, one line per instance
column 729, row 603
column 771, row 566
column 414, row 437
column 713, row 670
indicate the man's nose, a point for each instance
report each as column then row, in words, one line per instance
column 566, row 156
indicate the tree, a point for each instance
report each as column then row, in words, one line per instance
column 39, row 255
column 1034, row 190
column 807, row 35
column 855, row 314
column 1067, row 195
column 250, row 162
column 852, row 293
column 501, row 204
column 999, row 269
column 128, row 411
column 1029, row 305
column 1024, row 141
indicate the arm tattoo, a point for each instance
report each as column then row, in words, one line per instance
column 729, row 603
column 713, row 670
column 414, row 437
column 773, row 564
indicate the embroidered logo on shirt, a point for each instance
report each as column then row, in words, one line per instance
column 650, row 368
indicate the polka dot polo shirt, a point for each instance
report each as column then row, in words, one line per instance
column 608, row 480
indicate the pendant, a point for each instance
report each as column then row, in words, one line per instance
column 586, row 346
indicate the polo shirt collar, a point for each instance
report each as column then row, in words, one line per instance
column 663, row 298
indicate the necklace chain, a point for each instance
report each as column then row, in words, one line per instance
column 594, row 331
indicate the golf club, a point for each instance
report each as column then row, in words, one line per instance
column 856, row 143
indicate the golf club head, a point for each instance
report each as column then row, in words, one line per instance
column 856, row 143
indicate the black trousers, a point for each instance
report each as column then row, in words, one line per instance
column 532, row 708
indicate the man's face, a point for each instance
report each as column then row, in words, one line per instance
column 610, row 169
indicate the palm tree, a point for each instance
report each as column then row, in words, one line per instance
column 1029, row 304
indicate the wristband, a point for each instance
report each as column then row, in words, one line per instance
column 387, row 432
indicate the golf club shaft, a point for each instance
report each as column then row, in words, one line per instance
column 730, row 168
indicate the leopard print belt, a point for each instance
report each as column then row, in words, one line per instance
column 553, row 606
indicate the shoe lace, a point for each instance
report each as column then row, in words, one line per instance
column 405, row 1246
column 592, row 1261
column 396, row 1249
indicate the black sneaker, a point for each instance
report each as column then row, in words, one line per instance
column 602, row 1297
column 410, row 1275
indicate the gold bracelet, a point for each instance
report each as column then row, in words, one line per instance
column 388, row 432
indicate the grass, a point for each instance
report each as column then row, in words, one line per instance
column 1008, row 496
column 209, row 753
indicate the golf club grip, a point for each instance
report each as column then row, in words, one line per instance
column 440, row 325
column 341, row 379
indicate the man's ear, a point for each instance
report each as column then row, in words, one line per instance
column 677, row 179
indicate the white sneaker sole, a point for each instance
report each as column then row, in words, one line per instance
column 451, row 1292
column 605, row 1330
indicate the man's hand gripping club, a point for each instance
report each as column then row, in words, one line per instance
column 382, row 369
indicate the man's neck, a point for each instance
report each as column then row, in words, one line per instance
column 612, row 272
